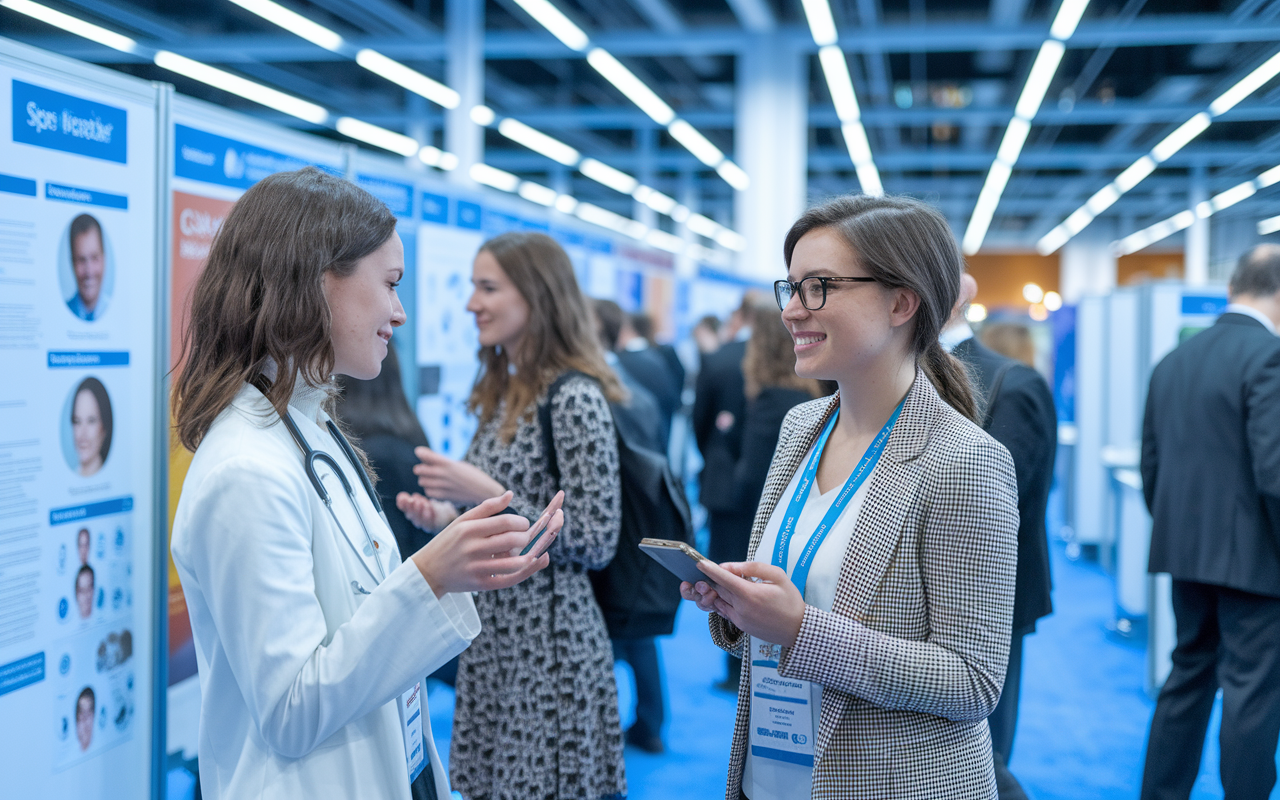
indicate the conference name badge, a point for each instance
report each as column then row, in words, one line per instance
column 409, row 705
column 781, row 709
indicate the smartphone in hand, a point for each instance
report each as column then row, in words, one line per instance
column 541, row 523
column 679, row 558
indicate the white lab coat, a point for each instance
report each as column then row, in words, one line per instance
column 299, row 672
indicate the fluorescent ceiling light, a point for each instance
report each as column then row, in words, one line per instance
column 665, row 241
column 1246, row 86
column 1182, row 135
column 482, row 116
column 1269, row 225
column 696, row 143
column 71, row 24
column 1230, row 197
column 984, row 210
column 614, row 222
column 1052, row 240
column 821, row 24
column 435, row 157
column 1149, row 236
column 1042, row 72
column 537, row 193
column 855, row 141
column 378, row 137
column 492, row 176
column 733, row 175
column 410, row 79
column 731, row 240
column 1102, row 199
column 247, row 89
column 681, row 214
column 603, row 173
column 703, row 226
column 293, row 22
column 836, row 70
column 566, row 204
column 656, row 200
column 869, row 179
column 1015, row 136
column 632, row 87
column 1135, row 173
column 560, row 26
column 538, row 141
column 1068, row 17
column 1268, row 178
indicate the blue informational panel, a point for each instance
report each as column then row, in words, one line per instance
column 78, row 428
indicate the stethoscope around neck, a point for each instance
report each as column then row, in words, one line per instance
column 309, row 458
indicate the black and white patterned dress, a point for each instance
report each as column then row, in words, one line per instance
column 537, row 707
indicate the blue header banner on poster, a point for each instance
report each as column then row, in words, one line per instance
column 120, row 505
column 435, row 208
column 89, row 197
column 20, row 673
column 58, row 121
column 1203, row 304
column 210, row 158
column 469, row 215
column 12, row 184
column 398, row 196
column 74, row 359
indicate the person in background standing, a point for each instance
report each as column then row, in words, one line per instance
column 642, row 324
column 1018, row 414
column 647, row 366
column 718, row 406
column 706, row 334
column 1009, row 340
column 1211, row 478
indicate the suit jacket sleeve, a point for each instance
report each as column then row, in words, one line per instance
column 1149, row 464
column 1262, row 405
column 703, row 417
column 759, row 444
column 1024, row 421
column 968, row 556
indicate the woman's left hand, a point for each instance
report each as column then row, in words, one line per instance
column 456, row 481
column 770, row 608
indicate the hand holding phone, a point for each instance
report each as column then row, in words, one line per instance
column 679, row 558
column 543, row 525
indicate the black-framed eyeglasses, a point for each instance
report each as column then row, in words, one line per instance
column 812, row 291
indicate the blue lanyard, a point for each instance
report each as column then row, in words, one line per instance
column 782, row 549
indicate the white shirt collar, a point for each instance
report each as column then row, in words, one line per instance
column 1240, row 308
column 954, row 335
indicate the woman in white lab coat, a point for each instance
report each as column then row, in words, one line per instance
column 312, row 635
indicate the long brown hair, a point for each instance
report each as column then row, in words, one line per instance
column 904, row 244
column 558, row 337
column 771, row 357
column 261, row 297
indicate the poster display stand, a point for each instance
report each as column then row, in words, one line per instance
column 79, row 273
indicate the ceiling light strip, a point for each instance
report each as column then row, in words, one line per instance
column 636, row 90
column 1203, row 210
column 835, row 69
column 1163, row 151
column 1041, row 76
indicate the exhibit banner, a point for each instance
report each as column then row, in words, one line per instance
column 217, row 155
column 78, row 427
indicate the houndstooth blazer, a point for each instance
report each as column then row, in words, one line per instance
column 912, row 655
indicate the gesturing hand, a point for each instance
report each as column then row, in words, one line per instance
column 456, row 481
column 473, row 553
column 425, row 513
column 770, row 607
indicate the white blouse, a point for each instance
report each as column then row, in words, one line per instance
column 778, row 780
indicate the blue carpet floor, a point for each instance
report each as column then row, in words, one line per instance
column 1082, row 729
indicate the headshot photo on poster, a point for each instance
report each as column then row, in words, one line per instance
column 86, row 713
column 86, row 267
column 87, row 425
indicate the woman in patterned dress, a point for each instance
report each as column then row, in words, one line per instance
column 537, row 709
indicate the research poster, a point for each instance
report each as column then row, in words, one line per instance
column 78, row 227
column 217, row 156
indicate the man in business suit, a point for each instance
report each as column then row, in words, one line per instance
column 718, row 407
column 1019, row 414
column 1211, row 476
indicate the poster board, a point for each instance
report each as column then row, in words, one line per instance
column 78, row 410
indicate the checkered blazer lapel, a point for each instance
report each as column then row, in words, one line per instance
column 890, row 498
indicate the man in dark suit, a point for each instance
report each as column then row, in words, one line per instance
column 1211, row 476
column 642, row 324
column 1019, row 414
column 718, row 408
column 642, row 363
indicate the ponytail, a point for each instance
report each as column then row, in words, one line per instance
column 951, row 379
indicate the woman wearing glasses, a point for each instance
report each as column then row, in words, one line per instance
column 873, row 615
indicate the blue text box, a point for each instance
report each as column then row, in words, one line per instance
column 1203, row 304
column 61, row 516
column 73, row 359
column 88, row 197
column 20, row 673
column 210, row 158
column 12, row 184
column 435, row 208
column 398, row 196
column 58, row 121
